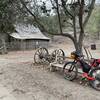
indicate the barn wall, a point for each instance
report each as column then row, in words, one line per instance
column 43, row 43
column 16, row 44
column 33, row 44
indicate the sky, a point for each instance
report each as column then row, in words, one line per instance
column 48, row 4
column 97, row 1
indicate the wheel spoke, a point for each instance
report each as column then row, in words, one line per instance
column 70, row 71
column 40, row 54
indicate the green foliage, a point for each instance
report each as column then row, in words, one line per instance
column 50, row 23
column 6, row 16
column 93, row 25
column 11, row 11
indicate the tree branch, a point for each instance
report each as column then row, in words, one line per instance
column 70, row 37
column 65, row 9
column 74, row 27
column 53, row 4
column 89, row 13
column 41, row 26
column 69, row 24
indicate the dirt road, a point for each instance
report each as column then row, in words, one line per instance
column 21, row 80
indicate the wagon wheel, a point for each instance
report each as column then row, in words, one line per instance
column 60, row 56
column 40, row 55
column 53, row 55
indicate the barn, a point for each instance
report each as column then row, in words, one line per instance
column 27, row 37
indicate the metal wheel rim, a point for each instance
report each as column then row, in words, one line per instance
column 69, row 75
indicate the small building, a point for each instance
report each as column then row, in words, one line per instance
column 27, row 37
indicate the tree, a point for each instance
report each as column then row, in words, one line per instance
column 9, row 13
column 6, row 17
column 78, row 12
column 93, row 26
column 6, row 20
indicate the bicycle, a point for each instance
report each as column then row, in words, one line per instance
column 90, row 71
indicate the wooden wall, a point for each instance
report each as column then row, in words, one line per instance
column 16, row 44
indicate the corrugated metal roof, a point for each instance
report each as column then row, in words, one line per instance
column 28, row 32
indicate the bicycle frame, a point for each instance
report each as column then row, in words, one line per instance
column 85, row 74
column 95, row 62
column 90, row 71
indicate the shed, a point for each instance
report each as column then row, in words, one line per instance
column 27, row 37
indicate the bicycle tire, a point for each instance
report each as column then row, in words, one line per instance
column 67, row 67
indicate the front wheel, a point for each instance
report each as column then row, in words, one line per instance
column 70, row 71
column 95, row 73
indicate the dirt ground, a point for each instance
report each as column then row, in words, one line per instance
column 20, row 79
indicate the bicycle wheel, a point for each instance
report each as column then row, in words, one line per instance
column 95, row 73
column 40, row 55
column 70, row 71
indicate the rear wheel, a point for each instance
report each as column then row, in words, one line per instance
column 95, row 73
column 70, row 71
column 60, row 56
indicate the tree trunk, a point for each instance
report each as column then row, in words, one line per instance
column 4, row 51
column 75, row 34
column 89, row 13
column 3, row 47
column 59, row 19
column 81, row 36
column 72, row 38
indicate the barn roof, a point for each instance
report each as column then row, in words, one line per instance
column 28, row 32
